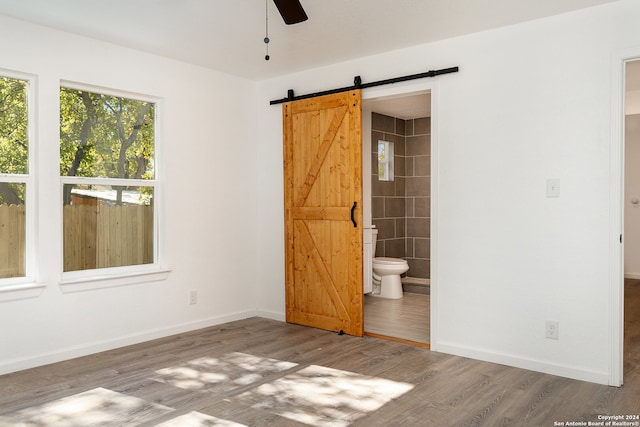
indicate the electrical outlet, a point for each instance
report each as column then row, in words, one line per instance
column 551, row 329
column 193, row 297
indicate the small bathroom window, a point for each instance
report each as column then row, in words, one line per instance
column 385, row 160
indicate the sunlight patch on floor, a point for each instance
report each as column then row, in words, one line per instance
column 313, row 395
column 91, row 408
column 197, row 419
column 228, row 371
column 321, row 396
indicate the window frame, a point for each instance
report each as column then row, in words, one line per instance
column 29, row 280
column 81, row 280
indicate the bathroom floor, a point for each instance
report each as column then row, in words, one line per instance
column 406, row 318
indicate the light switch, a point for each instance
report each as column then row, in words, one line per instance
column 553, row 188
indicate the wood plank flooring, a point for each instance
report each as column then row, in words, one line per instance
column 259, row 372
column 405, row 318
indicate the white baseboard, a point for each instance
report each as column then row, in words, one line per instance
column 416, row 281
column 524, row 363
column 632, row 275
column 273, row 315
column 19, row 364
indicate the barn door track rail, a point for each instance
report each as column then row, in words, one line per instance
column 357, row 84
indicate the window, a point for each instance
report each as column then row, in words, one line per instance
column 385, row 161
column 107, row 168
column 16, row 186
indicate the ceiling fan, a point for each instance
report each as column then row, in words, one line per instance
column 291, row 11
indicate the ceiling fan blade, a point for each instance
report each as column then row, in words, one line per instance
column 291, row 11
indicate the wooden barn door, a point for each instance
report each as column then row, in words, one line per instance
column 323, row 212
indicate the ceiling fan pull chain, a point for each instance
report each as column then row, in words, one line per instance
column 266, row 31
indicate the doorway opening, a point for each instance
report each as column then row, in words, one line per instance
column 631, row 213
column 397, row 206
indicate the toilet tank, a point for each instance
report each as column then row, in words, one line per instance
column 374, row 239
column 369, row 236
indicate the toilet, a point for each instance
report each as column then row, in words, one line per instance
column 387, row 272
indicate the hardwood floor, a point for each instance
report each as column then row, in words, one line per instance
column 259, row 372
column 632, row 330
column 406, row 318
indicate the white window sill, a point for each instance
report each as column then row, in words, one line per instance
column 101, row 281
column 18, row 291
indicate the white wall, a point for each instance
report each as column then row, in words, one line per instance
column 632, row 101
column 530, row 102
column 211, row 202
column 632, row 191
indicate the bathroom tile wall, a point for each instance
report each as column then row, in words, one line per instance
column 417, row 195
column 401, row 208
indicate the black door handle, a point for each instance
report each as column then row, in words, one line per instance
column 353, row 218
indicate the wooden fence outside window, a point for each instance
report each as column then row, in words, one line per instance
column 98, row 236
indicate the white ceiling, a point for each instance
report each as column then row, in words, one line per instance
column 403, row 107
column 227, row 35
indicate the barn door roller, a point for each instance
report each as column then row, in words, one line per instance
column 357, row 84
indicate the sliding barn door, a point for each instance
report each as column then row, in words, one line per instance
column 323, row 212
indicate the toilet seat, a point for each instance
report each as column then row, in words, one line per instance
column 389, row 261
